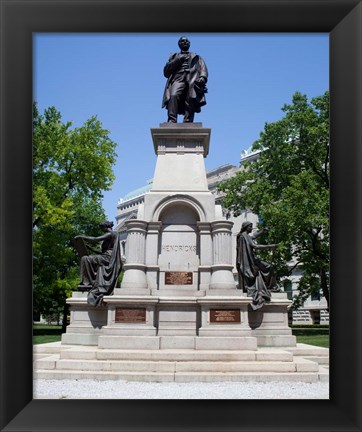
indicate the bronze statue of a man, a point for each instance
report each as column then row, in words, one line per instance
column 256, row 277
column 99, row 272
column 186, row 74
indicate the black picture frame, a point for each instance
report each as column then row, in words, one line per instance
column 19, row 19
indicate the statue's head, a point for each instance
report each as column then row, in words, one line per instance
column 246, row 226
column 106, row 225
column 184, row 43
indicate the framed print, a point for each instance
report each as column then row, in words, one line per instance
column 342, row 19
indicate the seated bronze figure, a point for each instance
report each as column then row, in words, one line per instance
column 99, row 272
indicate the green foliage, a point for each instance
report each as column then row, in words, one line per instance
column 305, row 331
column 288, row 187
column 310, row 326
column 120, row 278
column 71, row 169
column 45, row 329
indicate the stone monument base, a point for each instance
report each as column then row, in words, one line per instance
column 180, row 339
column 178, row 322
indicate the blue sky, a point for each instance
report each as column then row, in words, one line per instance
column 119, row 78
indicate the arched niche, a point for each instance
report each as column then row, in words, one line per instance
column 179, row 214
column 188, row 205
column 179, row 245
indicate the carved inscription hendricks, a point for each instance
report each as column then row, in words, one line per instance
column 225, row 316
column 179, row 248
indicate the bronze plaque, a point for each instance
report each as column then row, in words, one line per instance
column 225, row 316
column 178, row 278
column 130, row 315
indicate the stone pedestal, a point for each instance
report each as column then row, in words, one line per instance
column 178, row 289
column 270, row 324
column 177, row 322
column 180, row 150
column 86, row 321
column 224, row 324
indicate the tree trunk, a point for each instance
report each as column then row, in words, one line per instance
column 65, row 317
column 325, row 286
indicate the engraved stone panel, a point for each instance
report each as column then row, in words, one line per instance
column 179, row 239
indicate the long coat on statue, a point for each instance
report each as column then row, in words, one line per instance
column 197, row 69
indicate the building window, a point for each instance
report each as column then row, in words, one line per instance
column 316, row 316
column 288, row 288
column 316, row 295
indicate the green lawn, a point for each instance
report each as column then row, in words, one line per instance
column 44, row 333
column 318, row 340
column 46, row 339
column 313, row 335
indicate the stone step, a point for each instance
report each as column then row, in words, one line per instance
column 198, row 343
column 176, row 355
column 40, row 356
column 305, row 365
column 117, row 366
column 323, row 374
column 103, row 375
column 308, row 377
column 308, row 350
column 81, row 353
column 48, row 348
column 53, row 362
column 321, row 360
column 48, row 362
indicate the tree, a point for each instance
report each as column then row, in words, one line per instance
column 71, row 169
column 288, row 188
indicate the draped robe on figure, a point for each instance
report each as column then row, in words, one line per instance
column 256, row 276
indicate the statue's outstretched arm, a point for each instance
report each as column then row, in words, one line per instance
column 257, row 234
column 264, row 247
column 96, row 239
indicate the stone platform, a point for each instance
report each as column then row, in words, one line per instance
column 179, row 321
column 179, row 338
column 305, row 364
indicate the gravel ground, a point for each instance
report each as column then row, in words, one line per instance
column 84, row 389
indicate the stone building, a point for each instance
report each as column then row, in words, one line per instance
column 313, row 310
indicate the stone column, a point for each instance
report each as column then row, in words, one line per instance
column 152, row 240
column 222, row 276
column 205, row 254
column 135, row 267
